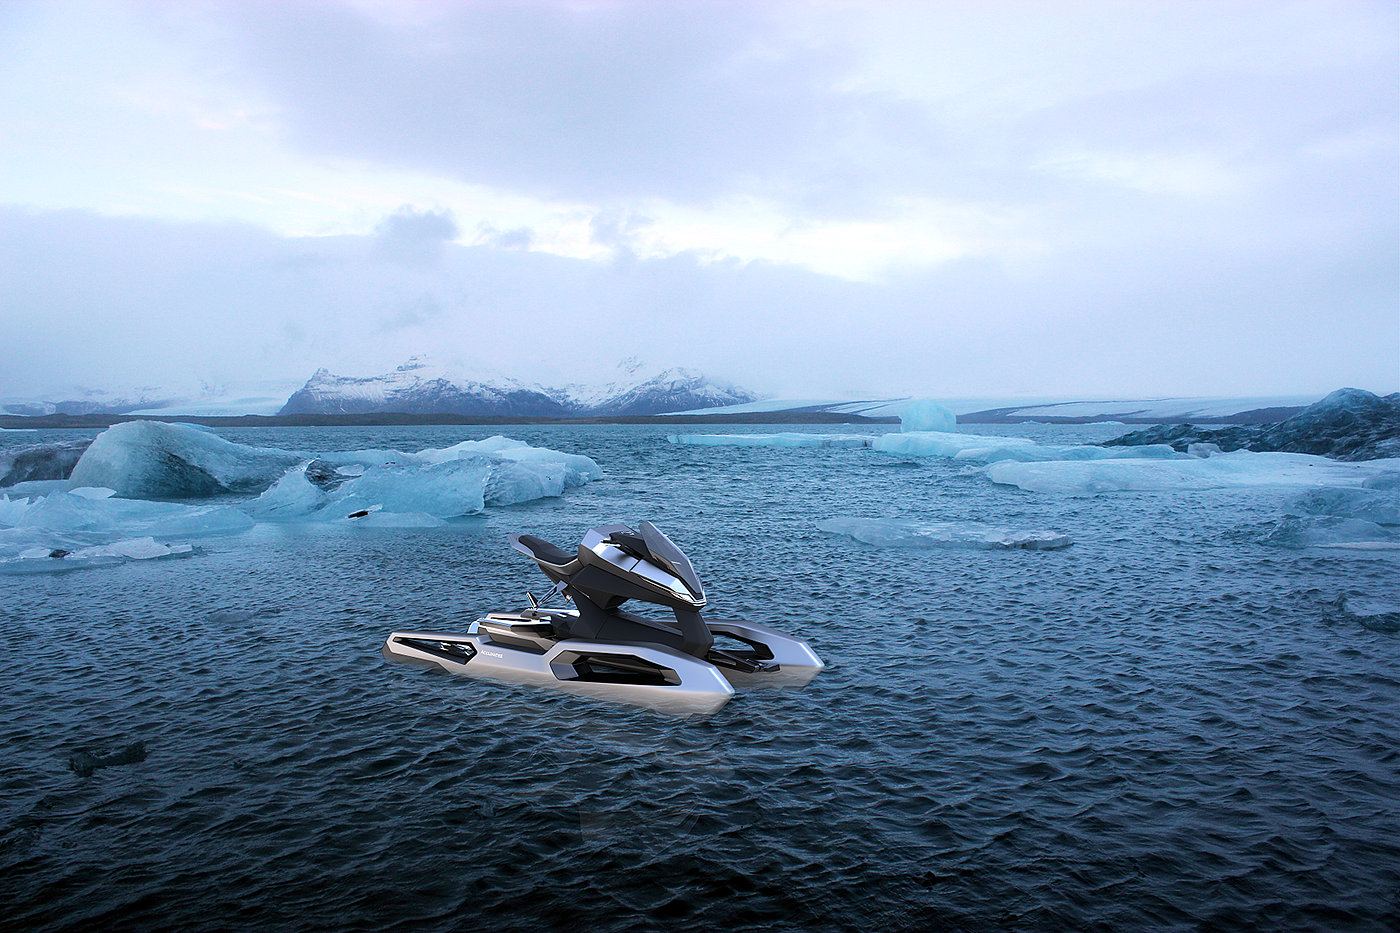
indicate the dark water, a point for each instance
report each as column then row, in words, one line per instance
column 1164, row 727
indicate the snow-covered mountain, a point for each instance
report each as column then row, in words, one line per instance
column 191, row 397
column 80, row 400
column 422, row 386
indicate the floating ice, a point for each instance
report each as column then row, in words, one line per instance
column 886, row 532
column 93, row 492
column 443, row 490
column 577, row 469
column 66, row 512
column 1329, row 531
column 926, row 415
column 65, row 531
column 772, row 440
column 1240, row 468
column 982, row 448
column 38, row 487
column 992, row 449
column 49, row 560
column 154, row 460
column 422, row 488
column 1381, row 506
column 1375, row 614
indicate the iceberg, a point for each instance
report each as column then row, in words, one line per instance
column 578, row 469
column 1238, row 469
column 422, row 488
column 1349, row 424
column 772, row 440
column 886, row 532
column 155, row 460
column 927, row 415
column 444, row 490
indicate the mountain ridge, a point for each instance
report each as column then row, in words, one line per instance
column 420, row 386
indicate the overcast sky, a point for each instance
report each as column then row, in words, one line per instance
column 951, row 199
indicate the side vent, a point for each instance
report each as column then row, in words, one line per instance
column 599, row 668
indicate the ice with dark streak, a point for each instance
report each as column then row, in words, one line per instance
column 155, row 460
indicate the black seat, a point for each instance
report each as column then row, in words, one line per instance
column 545, row 551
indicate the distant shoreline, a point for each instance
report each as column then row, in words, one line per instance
column 404, row 419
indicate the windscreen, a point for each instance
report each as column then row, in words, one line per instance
column 670, row 557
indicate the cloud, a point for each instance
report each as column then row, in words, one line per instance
column 1091, row 197
column 410, row 235
column 828, row 110
column 518, row 238
column 123, row 301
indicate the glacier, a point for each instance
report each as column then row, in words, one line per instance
column 1238, row 469
column 983, row 448
column 886, row 532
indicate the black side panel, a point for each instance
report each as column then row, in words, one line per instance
column 696, row 637
column 459, row 651
column 609, row 591
column 693, row 636
column 610, row 668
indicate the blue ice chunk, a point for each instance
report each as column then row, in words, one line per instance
column 67, row 512
column 927, row 415
column 944, row 444
column 1330, row 531
column 443, row 490
column 153, row 460
column 578, row 469
column 1381, row 506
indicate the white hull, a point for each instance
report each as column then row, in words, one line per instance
column 636, row 673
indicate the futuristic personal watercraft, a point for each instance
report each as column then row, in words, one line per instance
column 598, row 649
